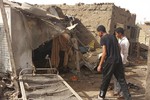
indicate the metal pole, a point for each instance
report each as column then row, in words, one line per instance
column 6, row 28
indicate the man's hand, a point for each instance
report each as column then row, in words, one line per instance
column 99, row 68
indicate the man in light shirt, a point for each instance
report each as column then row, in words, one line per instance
column 124, row 45
column 124, row 48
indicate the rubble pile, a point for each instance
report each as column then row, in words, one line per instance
column 7, row 89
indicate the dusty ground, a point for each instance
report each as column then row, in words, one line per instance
column 87, row 85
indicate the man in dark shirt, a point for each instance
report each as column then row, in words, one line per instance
column 111, row 63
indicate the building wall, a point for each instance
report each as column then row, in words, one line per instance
column 111, row 16
column 90, row 15
column 123, row 18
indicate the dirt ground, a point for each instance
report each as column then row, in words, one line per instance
column 87, row 83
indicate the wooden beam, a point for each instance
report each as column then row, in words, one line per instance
column 8, row 38
column 75, row 44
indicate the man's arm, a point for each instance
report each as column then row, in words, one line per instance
column 99, row 68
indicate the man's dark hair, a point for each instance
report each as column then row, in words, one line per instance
column 101, row 28
column 120, row 30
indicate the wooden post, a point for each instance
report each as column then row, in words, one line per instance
column 75, row 44
column 6, row 28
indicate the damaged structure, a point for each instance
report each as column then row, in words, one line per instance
column 36, row 35
column 36, row 29
column 43, row 39
column 111, row 16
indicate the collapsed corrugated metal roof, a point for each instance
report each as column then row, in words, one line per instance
column 28, row 8
column 56, row 24
column 30, row 27
column 37, row 12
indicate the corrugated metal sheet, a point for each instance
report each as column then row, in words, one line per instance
column 5, row 63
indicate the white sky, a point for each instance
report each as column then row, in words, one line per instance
column 140, row 7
